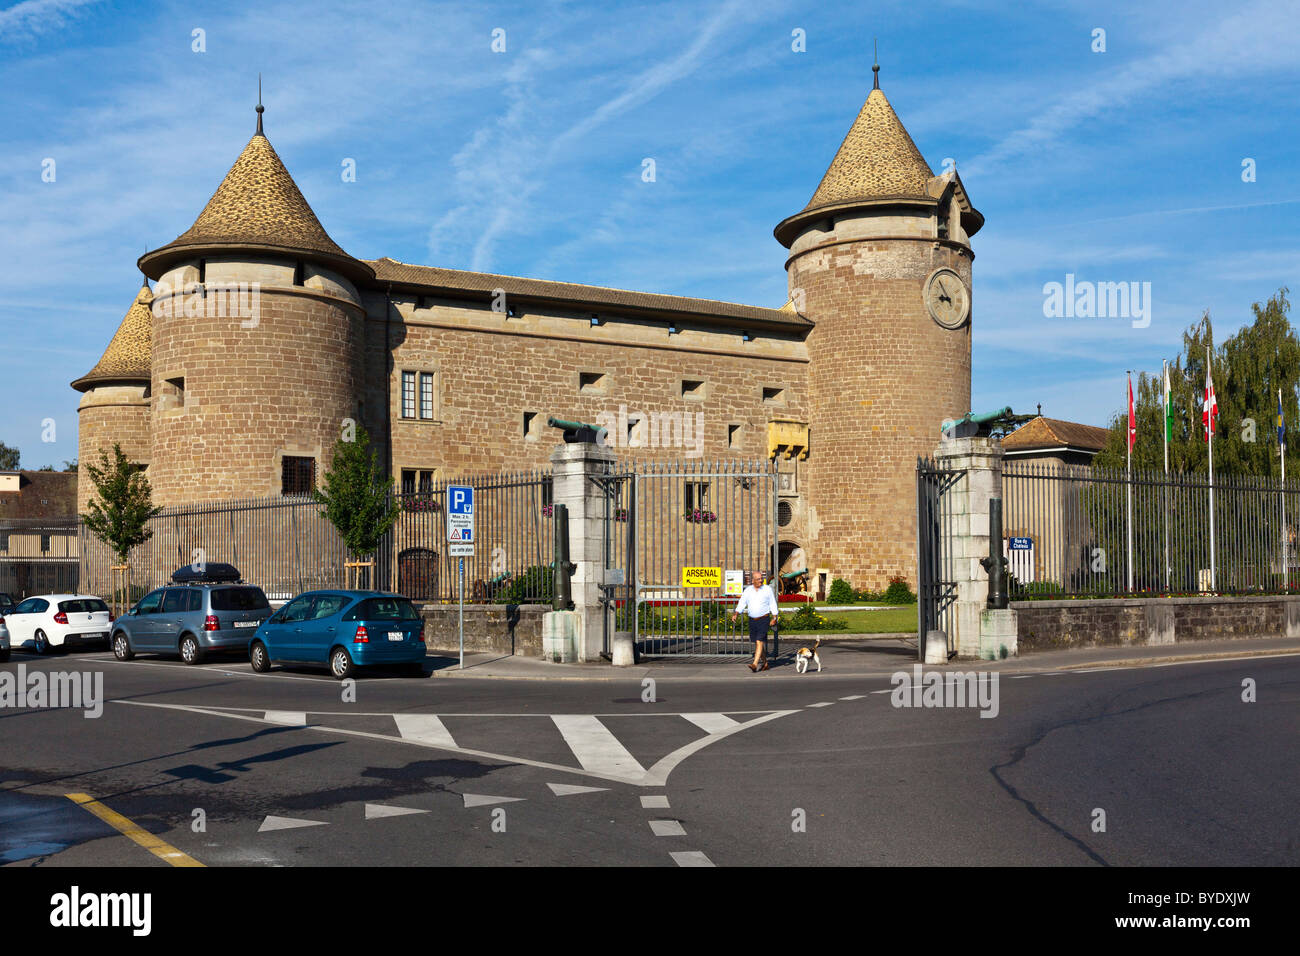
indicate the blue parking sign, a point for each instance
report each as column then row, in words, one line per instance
column 460, row 500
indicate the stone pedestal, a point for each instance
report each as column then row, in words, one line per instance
column 561, row 636
column 623, row 649
column 573, row 467
column 997, row 634
column 968, row 505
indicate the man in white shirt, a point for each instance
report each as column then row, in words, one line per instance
column 759, row 601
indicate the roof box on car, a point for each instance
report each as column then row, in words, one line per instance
column 211, row 573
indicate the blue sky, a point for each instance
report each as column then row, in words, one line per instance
column 1123, row 165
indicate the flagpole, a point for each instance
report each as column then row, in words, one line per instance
column 1209, row 426
column 1166, row 485
column 1128, row 443
column 1281, row 454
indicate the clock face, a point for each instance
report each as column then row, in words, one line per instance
column 947, row 298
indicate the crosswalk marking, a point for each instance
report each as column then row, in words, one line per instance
column 825, row 703
column 690, row 858
column 667, row 828
column 295, row 718
column 424, row 727
column 595, row 747
column 655, row 802
column 711, row 723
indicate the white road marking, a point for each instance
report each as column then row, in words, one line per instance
column 888, row 690
column 825, row 703
column 712, row 723
column 483, row 800
column 425, row 728
column 287, row 823
column 595, row 747
column 1022, row 676
column 854, row 697
column 690, row 858
column 667, row 828
column 294, row 718
column 655, row 802
column 375, row 811
column 569, row 789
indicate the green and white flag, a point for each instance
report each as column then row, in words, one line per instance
column 1169, row 410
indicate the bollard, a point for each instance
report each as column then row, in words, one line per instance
column 995, row 564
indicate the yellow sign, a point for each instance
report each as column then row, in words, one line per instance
column 701, row 577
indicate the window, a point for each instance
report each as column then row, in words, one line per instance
column 196, row 600
column 383, row 609
column 298, row 270
column 426, row 396
column 149, row 603
column 426, row 482
column 239, row 599
column 408, row 394
column 531, row 425
column 408, row 481
column 773, row 395
column 297, row 475
column 692, row 388
column 418, row 479
column 327, row 605
column 592, row 381
column 297, row 610
column 733, row 436
column 175, row 600
column 45, row 544
column 784, row 514
column 697, row 495
column 203, row 271
column 173, row 395
column 4, row 540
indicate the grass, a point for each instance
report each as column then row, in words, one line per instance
column 887, row 621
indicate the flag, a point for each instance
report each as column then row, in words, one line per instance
column 1281, row 425
column 1132, row 424
column 1211, row 409
column 1169, row 410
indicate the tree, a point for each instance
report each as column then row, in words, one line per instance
column 70, row 465
column 357, row 495
column 8, row 458
column 120, row 509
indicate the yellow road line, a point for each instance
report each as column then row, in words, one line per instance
column 159, row 848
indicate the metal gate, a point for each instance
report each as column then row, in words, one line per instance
column 937, row 586
column 664, row 518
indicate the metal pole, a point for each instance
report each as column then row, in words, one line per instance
column 460, row 626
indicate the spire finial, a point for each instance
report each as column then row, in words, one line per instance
column 260, row 108
column 875, row 68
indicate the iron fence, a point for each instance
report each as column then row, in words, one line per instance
column 937, row 519
column 1082, row 530
column 38, row 556
column 285, row 545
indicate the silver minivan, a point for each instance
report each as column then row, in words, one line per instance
column 191, row 620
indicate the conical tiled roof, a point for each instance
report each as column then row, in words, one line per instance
column 877, row 161
column 257, row 206
column 128, row 357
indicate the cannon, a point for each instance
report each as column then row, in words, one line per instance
column 983, row 425
column 578, row 433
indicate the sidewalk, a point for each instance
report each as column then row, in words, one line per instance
column 871, row 657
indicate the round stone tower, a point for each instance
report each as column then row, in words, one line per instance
column 880, row 261
column 115, row 404
column 257, row 341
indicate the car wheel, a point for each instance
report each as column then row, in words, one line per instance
column 259, row 658
column 42, row 643
column 122, row 647
column 191, row 653
column 341, row 665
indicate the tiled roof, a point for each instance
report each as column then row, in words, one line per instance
column 586, row 296
column 1053, row 433
column 41, row 494
column 258, row 204
column 128, row 356
column 876, row 159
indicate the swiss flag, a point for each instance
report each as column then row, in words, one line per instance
column 1210, row 410
column 1132, row 422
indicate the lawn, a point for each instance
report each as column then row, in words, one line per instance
column 888, row 620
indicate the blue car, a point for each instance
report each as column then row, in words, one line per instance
column 342, row 630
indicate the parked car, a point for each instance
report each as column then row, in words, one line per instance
column 4, row 642
column 342, row 630
column 210, row 611
column 58, row 620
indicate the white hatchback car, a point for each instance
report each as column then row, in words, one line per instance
column 4, row 642
column 59, row 620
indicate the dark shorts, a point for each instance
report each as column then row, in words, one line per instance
column 758, row 627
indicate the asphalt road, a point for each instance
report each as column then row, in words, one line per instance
column 819, row 770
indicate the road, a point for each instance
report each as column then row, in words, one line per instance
column 773, row 769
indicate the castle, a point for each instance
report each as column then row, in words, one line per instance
column 234, row 375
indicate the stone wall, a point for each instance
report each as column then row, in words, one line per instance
column 489, row 628
column 109, row 414
column 1061, row 625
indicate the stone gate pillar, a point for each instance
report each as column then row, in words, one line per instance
column 573, row 468
column 981, row 459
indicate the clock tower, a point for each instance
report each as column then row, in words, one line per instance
column 880, row 261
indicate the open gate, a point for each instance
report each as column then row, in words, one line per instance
column 672, row 532
column 937, row 586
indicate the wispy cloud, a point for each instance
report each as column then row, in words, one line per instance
column 32, row 18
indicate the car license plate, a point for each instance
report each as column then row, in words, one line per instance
column 245, row 624
column 95, row 634
column 395, row 635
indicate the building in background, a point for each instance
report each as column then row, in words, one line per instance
column 38, row 532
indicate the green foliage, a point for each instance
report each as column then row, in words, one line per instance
column 841, row 592
column 898, row 591
column 357, row 496
column 806, row 618
column 120, row 509
column 1034, row 589
column 1249, row 368
column 535, row 586
column 9, row 458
